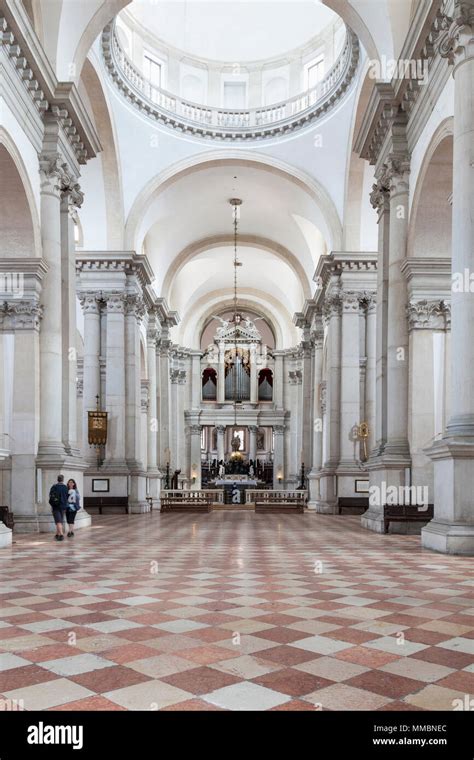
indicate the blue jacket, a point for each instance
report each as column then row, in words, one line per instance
column 61, row 490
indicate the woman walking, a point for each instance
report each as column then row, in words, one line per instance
column 73, row 505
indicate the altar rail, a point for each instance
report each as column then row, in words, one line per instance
column 267, row 495
column 215, row 495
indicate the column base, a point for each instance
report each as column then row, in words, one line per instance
column 452, row 529
column 373, row 520
column 45, row 523
column 5, row 536
column 323, row 507
column 448, row 538
column 138, row 507
column 391, row 468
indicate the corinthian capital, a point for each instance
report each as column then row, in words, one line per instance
column 380, row 196
column 53, row 172
column 396, row 171
column 89, row 302
column 457, row 42
column 350, row 301
column 332, row 304
column 72, row 190
column 134, row 305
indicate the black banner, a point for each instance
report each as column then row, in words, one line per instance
column 119, row 734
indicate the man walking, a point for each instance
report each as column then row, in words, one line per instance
column 58, row 502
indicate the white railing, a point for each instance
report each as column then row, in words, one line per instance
column 219, row 122
column 252, row 495
column 216, row 496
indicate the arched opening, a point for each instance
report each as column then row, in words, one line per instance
column 265, row 385
column 276, row 90
column 209, row 384
column 430, row 231
column 17, row 235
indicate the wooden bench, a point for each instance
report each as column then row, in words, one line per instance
column 406, row 513
column 279, row 501
column 6, row 516
column 106, row 502
column 185, row 501
column 352, row 502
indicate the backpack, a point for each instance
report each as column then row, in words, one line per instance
column 54, row 498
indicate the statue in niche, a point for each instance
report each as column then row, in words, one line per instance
column 236, row 443
column 260, row 440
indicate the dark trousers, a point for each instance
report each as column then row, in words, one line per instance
column 70, row 516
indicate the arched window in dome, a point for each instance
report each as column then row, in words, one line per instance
column 192, row 88
column 276, row 90
column 265, row 385
column 209, row 384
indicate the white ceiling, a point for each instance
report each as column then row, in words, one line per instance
column 226, row 30
column 196, row 207
column 213, row 270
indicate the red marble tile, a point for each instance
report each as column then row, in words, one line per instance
column 201, row 680
column 26, row 675
column 107, row 679
column 128, row 653
column 447, row 657
column 293, row 682
column 371, row 658
column 96, row 703
column 386, row 684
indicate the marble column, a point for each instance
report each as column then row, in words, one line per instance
column 350, row 379
column 397, row 449
column 278, row 457
column 134, row 310
column 306, row 400
column 25, row 320
column 253, row 429
column 71, row 200
column 332, row 313
column 278, row 380
column 380, row 200
column 51, row 449
column 317, row 459
column 220, row 442
column 371, row 378
column 389, row 463
column 164, row 397
column 452, row 529
column 182, row 460
column 195, row 455
column 91, row 365
column 221, row 375
column 253, row 374
column 57, row 447
column 152, row 419
column 196, row 380
column 115, row 381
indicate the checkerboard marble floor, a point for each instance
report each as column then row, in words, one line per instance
column 233, row 611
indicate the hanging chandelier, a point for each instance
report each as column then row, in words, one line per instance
column 236, row 357
column 236, row 204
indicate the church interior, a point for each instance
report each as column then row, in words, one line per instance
column 236, row 303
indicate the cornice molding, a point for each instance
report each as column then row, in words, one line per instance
column 389, row 99
column 59, row 99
